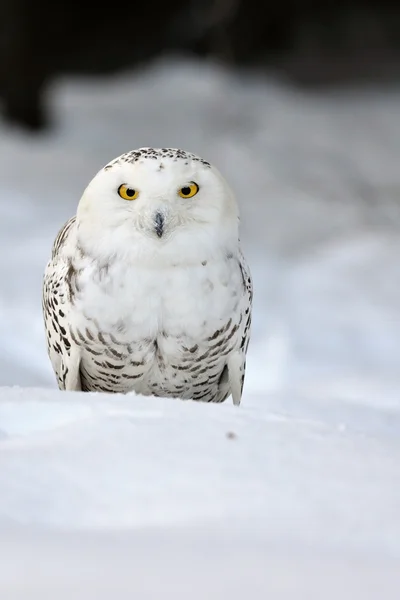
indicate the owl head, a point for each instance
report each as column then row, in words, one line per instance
column 162, row 204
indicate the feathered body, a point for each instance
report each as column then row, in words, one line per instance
column 151, row 295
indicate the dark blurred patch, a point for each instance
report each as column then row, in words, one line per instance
column 308, row 42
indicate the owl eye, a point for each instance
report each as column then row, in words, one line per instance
column 127, row 193
column 188, row 191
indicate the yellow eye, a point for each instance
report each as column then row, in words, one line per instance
column 188, row 191
column 127, row 193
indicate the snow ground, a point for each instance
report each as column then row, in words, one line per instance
column 105, row 496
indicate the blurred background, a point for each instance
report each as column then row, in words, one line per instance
column 298, row 104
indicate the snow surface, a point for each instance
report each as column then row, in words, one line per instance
column 105, row 495
column 296, row 494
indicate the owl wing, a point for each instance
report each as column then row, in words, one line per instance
column 57, row 300
column 232, row 379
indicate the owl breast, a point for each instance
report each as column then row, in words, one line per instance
column 163, row 332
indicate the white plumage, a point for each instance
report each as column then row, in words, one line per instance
column 147, row 289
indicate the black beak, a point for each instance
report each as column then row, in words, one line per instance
column 159, row 223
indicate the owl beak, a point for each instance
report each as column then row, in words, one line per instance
column 158, row 221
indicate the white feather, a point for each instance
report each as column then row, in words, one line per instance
column 157, row 309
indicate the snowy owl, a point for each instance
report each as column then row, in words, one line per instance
column 147, row 289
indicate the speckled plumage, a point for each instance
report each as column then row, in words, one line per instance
column 128, row 310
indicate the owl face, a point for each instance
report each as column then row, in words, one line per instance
column 158, row 198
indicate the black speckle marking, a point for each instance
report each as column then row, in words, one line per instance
column 101, row 338
column 115, row 341
column 182, row 367
column 94, row 352
column 114, row 353
column 89, row 335
column 71, row 280
column 74, row 338
column 137, row 363
column 81, row 337
column 135, row 156
column 111, row 366
column 61, row 238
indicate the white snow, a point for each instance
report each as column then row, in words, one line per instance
column 296, row 493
